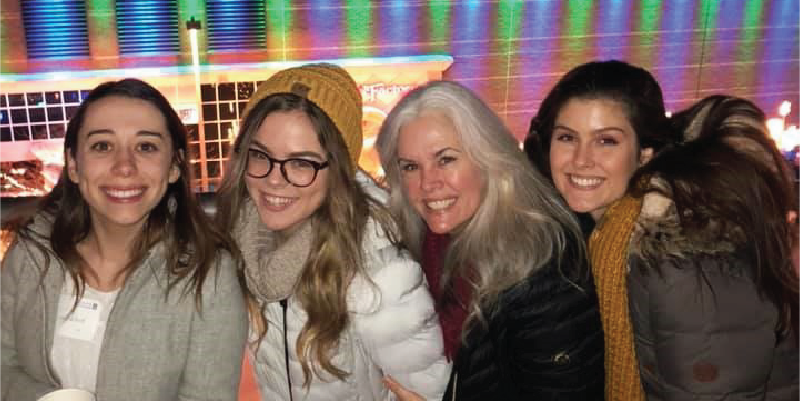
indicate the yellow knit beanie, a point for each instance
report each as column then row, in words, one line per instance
column 329, row 87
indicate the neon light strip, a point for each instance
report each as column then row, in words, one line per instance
column 185, row 70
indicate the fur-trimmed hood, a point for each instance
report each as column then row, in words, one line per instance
column 658, row 232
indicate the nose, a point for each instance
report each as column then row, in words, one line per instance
column 582, row 155
column 275, row 177
column 430, row 179
column 125, row 163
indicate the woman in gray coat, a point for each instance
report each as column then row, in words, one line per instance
column 713, row 295
column 118, row 285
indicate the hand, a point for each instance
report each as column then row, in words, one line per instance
column 400, row 392
column 792, row 218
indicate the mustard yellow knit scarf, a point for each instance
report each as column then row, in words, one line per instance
column 609, row 247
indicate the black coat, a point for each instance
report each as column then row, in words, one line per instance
column 543, row 341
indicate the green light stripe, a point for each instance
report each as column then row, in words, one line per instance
column 439, row 15
column 750, row 32
column 509, row 14
column 574, row 33
column 101, row 13
column 359, row 24
column 650, row 14
column 578, row 17
column 279, row 25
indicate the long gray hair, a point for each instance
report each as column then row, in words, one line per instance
column 521, row 223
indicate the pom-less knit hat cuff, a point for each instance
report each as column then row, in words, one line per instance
column 331, row 88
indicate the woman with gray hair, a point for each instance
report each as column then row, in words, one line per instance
column 503, row 255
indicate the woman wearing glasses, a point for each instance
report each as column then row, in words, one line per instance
column 335, row 305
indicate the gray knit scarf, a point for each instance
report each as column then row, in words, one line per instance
column 273, row 261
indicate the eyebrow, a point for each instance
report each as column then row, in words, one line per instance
column 138, row 133
column 292, row 155
column 437, row 154
column 562, row 127
column 600, row 130
column 149, row 133
column 445, row 149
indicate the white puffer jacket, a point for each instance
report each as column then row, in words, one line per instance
column 394, row 331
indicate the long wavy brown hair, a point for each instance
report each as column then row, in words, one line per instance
column 336, row 254
column 192, row 242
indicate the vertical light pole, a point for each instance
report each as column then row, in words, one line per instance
column 193, row 26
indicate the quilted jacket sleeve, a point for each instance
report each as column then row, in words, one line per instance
column 401, row 330
column 17, row 384
column 783, row 382
column 701, row 329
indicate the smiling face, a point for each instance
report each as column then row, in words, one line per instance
column 284, row 135
column 594, row 152
column 123, row 161
column 443, row 185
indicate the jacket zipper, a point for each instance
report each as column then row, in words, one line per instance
column 283, row 303
column 112, row 315
column 108, row 333
column 455, row 382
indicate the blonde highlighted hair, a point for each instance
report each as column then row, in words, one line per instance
column 335, row 257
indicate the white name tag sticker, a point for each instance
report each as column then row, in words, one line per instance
column 81, row 324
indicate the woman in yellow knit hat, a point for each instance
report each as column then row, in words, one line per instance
column 599, row 123
column 336, row 305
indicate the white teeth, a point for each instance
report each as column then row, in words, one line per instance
column 585, row 182
column 130, row 193
column 440, row 204
column 277, row 201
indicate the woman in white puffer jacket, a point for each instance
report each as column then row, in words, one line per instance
column 336, row 304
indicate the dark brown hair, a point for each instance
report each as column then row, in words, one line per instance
column 192, row 242
column 634, row 88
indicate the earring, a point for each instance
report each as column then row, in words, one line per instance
column 172, row 204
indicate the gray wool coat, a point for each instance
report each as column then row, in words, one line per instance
column 155, row 348
column 701, row 329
